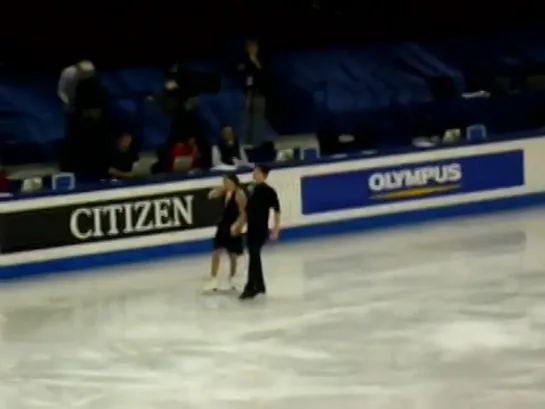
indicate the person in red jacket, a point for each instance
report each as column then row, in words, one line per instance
column 191, row 147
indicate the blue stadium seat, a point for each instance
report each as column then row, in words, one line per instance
column 393, row 91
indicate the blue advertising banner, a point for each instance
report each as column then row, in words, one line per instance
column 378, row 186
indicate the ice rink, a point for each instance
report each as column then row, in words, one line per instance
column 437, row 316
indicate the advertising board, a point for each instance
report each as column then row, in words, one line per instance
column 138, row 223
column 414, row 181
column 108, row 220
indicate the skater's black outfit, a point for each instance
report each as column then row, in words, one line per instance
column 224, row 238
column 261, row 199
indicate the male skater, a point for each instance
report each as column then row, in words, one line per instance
column 229, row 233
column 262, row 198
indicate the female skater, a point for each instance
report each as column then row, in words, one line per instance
column 229, row 231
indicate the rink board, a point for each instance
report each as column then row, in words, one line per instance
column 129, row 224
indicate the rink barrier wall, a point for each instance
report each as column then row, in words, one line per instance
column 84, row 230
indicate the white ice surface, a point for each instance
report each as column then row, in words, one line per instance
column 439, row 316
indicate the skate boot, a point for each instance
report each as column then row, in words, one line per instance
column 211, row 285
column 231, row 284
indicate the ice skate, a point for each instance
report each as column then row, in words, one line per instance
column 232, row 286
column 211, row 285
column 227, row 286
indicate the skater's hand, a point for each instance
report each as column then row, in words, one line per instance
column 235, row 230
column 274, row 234
column 216, row 192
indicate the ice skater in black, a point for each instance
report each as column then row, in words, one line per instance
column 229, row 232
column 261, row 199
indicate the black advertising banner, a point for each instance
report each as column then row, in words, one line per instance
column 108, row 220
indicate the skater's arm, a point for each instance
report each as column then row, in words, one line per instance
column 217, row 192
column 241, row 200
column 275, row 203
column 277, row 215
column 277, row 220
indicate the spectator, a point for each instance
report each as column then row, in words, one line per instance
column 190, row 148
column 170, row 99
column 186, row 125
column 228, row 152
column 257, row 84
column 69, row 79
column 121, row 158
column 179, row 107
column 87, row 126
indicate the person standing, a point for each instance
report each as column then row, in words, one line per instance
column 88, row 125
column 68, row 81
column 67, row 91
column 229, row 231
column 262, row 198
column 186, row 127
column 256, row 83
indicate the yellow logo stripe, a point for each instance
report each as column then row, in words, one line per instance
column 415, row 192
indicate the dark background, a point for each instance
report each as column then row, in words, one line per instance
column 51, row 34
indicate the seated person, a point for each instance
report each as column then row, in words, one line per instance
column 121, row 158
column 228, row 151
column 196, row 149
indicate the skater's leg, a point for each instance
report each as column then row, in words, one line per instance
column 259, row 279
column 233, row 264
column 258, row 265
column 233, row 259
column 212, row 284
column 216, row 259
column 255, row 284
column 252, row 255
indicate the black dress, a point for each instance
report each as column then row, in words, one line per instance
column 223, row 238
